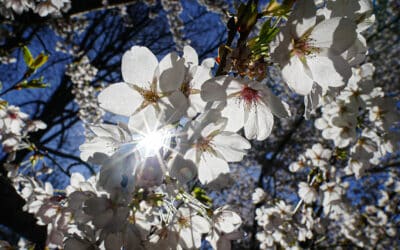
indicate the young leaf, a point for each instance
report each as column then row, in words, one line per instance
column 28, row 58
column 39, row 61
column 201, row 195
column 35, row 83
column 259, row 45
column 3, row 104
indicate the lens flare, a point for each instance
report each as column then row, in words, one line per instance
column 152, row 142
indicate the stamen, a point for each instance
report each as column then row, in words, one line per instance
column 249, row 95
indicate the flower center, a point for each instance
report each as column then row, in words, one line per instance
column 150, row 96
column 249, row 96
column 204, row 145
column 303, row 46
column 13, row 115
column 185, row 89
column 183, row 222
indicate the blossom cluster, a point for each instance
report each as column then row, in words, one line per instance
column 15, row 126
column 217, row 6
column 173, row 9
column 180, row 127
column 356, row 117
column 43, row 8
column 67, row 30
column 360, row 119
column 82, row 73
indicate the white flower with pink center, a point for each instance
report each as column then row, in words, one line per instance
column 249, row 104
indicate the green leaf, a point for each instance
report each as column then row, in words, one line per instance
column 28, row 58
column 341, row 153
column 39, row 61
column 3, row 104
column 32, row 84
column 259, row 45
column 201, row 195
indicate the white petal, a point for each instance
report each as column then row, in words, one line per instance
column 190, row 56
column 138, row 66
column 76, row 179
column 336, row 33
column 149, row 173
column 294, row 73
column 278, row 107
column 176, row 108
column 120, row 99
column 200, row 224
column 168, row 61
column 182, row 169
column 355, row 55
column 196, row 105
column 212, row 90
column 332, row 71
column 303, row 17
column 144, row 122
column 193, row 155
column 210, row 167
column 105, row 130
column 208, row 63
column 172, row 70
column 116, row 174
column 234, row 111
column 231, row 146
column 212, row 126
column 280, row 47
column 201, row 75
column 259, row 123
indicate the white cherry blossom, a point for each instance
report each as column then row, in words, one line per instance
column 210, row 147
column 225, row 228
column 310, row 52
column 307, row 193
column 318, row 155
column 148, row 84
column 195, row 76
column 258, row 196
column 184, row 232
column 248, row 104
column 106, row 139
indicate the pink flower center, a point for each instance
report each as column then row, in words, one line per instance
column 249, row 95
column 13, row 115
